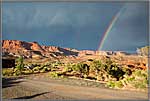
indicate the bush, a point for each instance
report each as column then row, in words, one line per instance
column 36, row 68
column 96, row 65
column 114, row 70
column 27, row 72
column 55, row 74
column 110, row 84
column 16, row 74
column 106, row 71
column 109, row 69
column 114, row 84
column 67, row 68
column 127, row 71
column 42, row 71
column 141, row 79
column 81, row 68
column 109, row 61
column 118, row 84
column 7, row 71
column 138, row 80
column 45, row 69
column 55, row 64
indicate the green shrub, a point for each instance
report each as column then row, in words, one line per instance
column 114, row 70
column 55, row 64
column 110, row 84
column 129, row 79
column 55, row 74
column 27, row 72
column 138, row 79
column 109, row 61
column 44, row 69
column 107, row 70
column 140, row 73
column 76, row 68
column 81, row 68
column 7, row 71
column 48, row 69
column 114, row 84
column 139, row 85
column 96, row 65
column 36, row 68
column 67, row 68
column 127, row 71
column 141, row 79
column 118, row 84
column 16, row 74
column 58, row 63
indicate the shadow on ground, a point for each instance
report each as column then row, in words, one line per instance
column 8, row 82
column 32, row 96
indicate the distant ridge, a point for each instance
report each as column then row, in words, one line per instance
column 33, row 49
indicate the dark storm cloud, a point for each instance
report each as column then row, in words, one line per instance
column 76, row 25
column 131, row 29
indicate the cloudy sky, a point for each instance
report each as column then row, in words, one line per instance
column 77, row 25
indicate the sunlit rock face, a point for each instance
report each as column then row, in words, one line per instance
column 28, row 49
column 31, row 49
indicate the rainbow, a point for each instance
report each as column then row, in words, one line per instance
column 111, row 24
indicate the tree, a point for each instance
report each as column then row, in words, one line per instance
column 20, row 64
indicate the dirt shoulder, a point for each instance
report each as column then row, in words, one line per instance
column 41, row 87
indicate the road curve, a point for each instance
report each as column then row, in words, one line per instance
column 76, row 92
column 41, row 87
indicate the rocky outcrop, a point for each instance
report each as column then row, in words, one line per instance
column 33, row 49
column 36, row 47
column 50, row 48
column 20, row 45
column 89, row 52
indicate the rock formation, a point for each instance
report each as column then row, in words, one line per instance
column 28, row 49
column 18, row 48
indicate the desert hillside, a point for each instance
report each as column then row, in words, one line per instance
column 33, row 50
column 29, row 49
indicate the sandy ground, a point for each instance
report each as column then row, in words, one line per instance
column 41, row 87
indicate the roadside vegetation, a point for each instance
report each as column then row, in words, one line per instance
column 107, row 71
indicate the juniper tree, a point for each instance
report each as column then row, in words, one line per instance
column 20, row 64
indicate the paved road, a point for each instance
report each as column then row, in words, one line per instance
column 38, row 89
